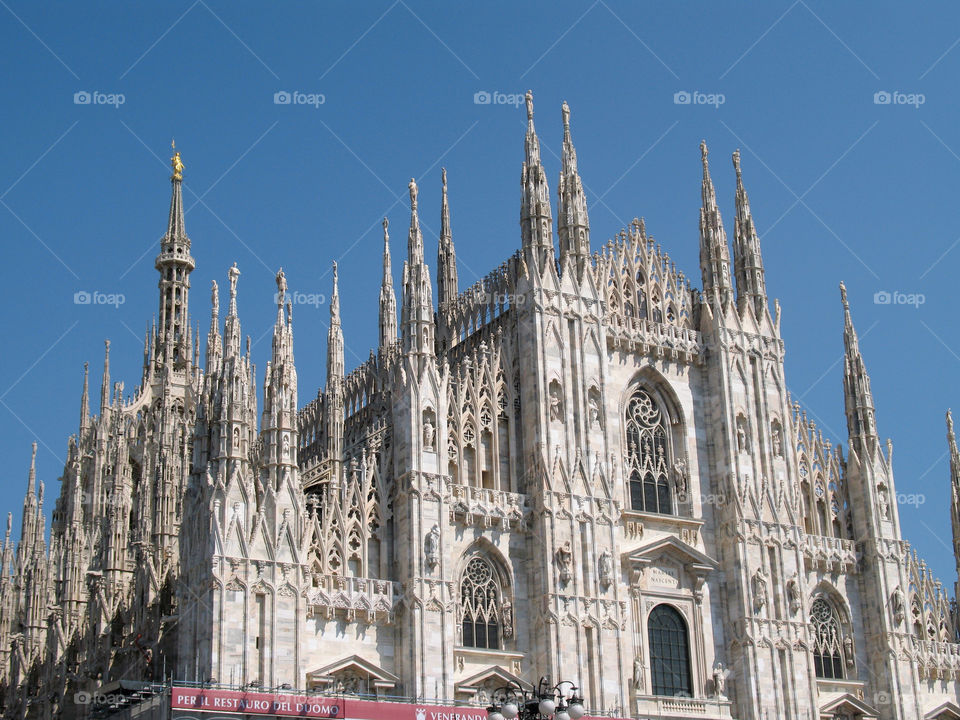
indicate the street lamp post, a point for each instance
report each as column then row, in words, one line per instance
column 513, row 702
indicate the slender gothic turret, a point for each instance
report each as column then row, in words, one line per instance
column 335, row 335
column 214, row 345
column 747, row 259
column 954, row 496
column 418, row 319
column 174, row 264
column 105, row 383
column 333, row 400
column 536, row 221
column 446, row 255
column 573, row 224
column 388, row 298
column 861, row 417
column 85, row 399
column 714, row 252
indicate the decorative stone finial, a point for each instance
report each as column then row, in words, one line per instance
column 233, row 273
column 281, row 286
column 704, row 152
column 413, row 195
column 529, row 99
column 843, row 296
column 565, row 111
column 736, row 161
column 176, row 162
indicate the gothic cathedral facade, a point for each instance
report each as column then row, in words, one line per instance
column 580, row 467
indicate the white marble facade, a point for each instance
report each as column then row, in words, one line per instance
column 580, row 467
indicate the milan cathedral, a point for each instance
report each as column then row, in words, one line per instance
column 580, row 467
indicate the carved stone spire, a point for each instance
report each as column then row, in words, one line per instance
column 85, row 399
column 214, row 347
column 954, row 492
column 231, row 327
column 861, row 423
column 414, row 237
column 446, row 255
column 388, row 297
column 573, row 223
column 747, row 258
column 536, row 220
column 334, row 336
column 105, row 384
column 418, row 320
column 714, row 252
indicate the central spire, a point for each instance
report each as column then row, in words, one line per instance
column 174, row 264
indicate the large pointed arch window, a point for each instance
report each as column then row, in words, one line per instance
column 669, row 652
column 480, row 606
column 827, row 641
column 648, row 455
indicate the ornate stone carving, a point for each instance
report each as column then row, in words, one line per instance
column 431, row 548
column 759, row 584
column 605, row 568
column 564, row 559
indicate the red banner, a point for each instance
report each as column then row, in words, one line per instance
column 312, row 706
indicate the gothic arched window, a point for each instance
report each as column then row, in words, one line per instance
column 648, row 455
column 480, row 606
column 669, row 652
column 827, row 644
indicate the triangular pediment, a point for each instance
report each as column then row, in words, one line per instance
column 946, row 711
column 675, row 549
column 495, row 673
column 849, row 704
column 357, row 665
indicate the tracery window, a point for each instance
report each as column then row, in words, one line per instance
column 648, row 455
column 669, row 652
column 828, row 643
column 480, row 606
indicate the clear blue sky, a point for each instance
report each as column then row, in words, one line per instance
column 841, row 187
